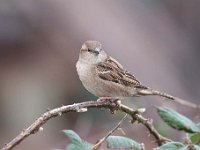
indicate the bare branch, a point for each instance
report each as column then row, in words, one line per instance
column 98, row 144
column 146, row 122
column 81, row 107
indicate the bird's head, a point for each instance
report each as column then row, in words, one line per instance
column 92, row 52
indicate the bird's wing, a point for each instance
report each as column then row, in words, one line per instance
column 111, row 70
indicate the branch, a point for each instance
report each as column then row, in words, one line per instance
column 82, row 107
column 97, row 145
column 146, row 122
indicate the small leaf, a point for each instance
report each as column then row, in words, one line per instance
column 73, row 147
column 172, row 146
column 195, row 138
column 177, row 121
column 196, row 147
column 192, row 147
column 120, row 142
column 86, row 146
column 77, row 142
column 75, row 139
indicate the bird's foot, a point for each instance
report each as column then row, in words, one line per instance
column 115, row 103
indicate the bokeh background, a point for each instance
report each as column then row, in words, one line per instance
column 157, row 41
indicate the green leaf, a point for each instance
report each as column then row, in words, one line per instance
column 120, row 142
column 73, row 147
column 196, row 147
column 195, row 138
column 74, row 138
column 191, row 147
column 177, row 121
column 177, row 146
column 77, row 142
column 84, row 146
column 172, row 146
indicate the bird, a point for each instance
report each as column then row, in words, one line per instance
column 105, row 77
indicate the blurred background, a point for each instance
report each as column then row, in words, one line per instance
column 157, row 41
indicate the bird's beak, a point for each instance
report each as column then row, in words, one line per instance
column 98, row 50
column 95, row 52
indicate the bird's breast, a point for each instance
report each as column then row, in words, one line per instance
column 87, row 75
column 99, row 87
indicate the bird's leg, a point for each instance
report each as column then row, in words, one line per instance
column 111, row 100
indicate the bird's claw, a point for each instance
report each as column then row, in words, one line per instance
column 115, row 102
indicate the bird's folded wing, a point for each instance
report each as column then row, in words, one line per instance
column 112, row 71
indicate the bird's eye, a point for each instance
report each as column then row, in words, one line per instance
column 89, row 50
column 93, row 51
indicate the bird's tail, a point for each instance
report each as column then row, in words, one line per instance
column 149, row 91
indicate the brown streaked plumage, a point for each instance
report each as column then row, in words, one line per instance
column 104, row 76
column 112, row 71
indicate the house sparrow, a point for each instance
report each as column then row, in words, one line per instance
column 105, row 77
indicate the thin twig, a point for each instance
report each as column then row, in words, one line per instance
column 98, row 144
column 81, row 107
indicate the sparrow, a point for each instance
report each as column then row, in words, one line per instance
column 105, row 77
